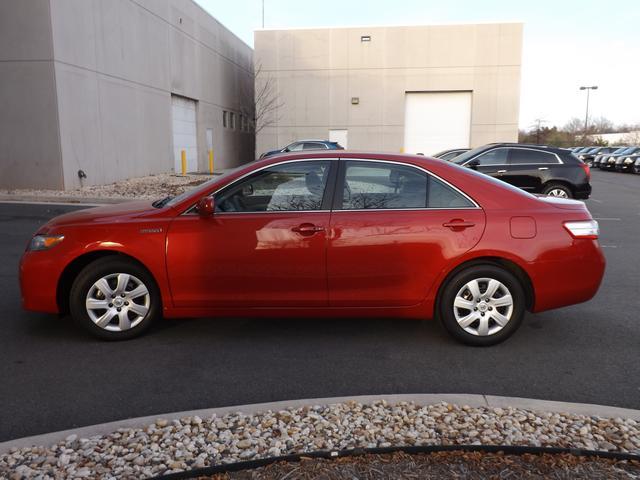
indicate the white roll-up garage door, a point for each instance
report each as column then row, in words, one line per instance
column 435, row 121
column 184, row 132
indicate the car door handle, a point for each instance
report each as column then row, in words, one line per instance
column 307, row 229
column 501, row 171
column 458, row 224
column 543, row 168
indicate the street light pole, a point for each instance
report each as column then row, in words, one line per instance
column 586, row 116
column 262, row 13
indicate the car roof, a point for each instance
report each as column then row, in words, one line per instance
column 528, row 145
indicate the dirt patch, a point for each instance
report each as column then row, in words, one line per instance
column 443, row 465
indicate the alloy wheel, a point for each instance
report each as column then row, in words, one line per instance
column 557, row 192
column 483, row 306
column 118, row 302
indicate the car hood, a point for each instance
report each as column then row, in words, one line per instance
column 106, row 214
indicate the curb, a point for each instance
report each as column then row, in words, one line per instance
column 471, row 400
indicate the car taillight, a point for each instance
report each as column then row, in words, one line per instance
column 583, row 229
column 587, row 170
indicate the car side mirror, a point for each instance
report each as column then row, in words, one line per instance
column 206, row 207
column 286, row 149
column 473, row 164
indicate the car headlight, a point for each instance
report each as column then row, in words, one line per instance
column 628, row 160
column 44, row 242
column 612, row 160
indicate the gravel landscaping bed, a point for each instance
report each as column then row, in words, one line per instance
column 443, row 465
column 192, row 442
column 150, row 187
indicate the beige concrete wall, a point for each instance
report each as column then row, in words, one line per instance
column 117, row 64
column 87, row 84
column 29, row 135
column 316, row 72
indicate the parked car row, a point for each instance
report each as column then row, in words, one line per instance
column 623, row 159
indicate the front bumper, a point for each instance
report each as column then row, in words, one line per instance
column 39, row 273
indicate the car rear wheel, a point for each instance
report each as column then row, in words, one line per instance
column 482, row 305
column 557, row 190
column 114, row 299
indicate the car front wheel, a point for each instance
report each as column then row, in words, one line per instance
column 482, row 305
column 114, row 299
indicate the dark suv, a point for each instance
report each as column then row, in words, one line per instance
column 305, row 145
column 534, row 168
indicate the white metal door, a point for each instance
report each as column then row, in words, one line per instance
column 435, row 121
column 184, row 132
column 340, row 136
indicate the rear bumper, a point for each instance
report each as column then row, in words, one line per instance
column 582, row 192
column 574, row 279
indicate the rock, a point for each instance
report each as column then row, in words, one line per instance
column 246, row 443
column 161, row 423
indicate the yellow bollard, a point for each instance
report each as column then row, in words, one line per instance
column 211, row 161
column 183, row 154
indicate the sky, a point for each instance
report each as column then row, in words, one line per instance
column 567, row 43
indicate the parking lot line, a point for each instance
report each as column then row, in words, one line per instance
column 607, row 218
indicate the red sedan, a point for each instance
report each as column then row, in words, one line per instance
column 321, row 234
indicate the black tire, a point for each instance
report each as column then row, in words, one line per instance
column 458, row 281
column 557, row 186
column 95, row 271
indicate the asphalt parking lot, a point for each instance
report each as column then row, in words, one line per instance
column 55, row 377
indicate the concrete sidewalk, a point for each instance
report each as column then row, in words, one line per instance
column 471, row 400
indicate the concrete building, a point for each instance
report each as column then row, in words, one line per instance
column 413, row 88
column 620, row 138
column 117, row 88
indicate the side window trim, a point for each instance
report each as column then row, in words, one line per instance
column 336, row 205
column 326, row 199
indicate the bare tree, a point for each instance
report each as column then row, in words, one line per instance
column 267, row 101
column 601, row 125
column 575, row 126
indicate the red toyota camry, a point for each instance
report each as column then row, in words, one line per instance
column 323, row 234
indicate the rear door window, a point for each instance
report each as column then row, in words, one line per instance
column 373, row 185
column 525, row 156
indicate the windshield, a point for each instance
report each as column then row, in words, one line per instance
column 464, row 157
column 626, row 151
